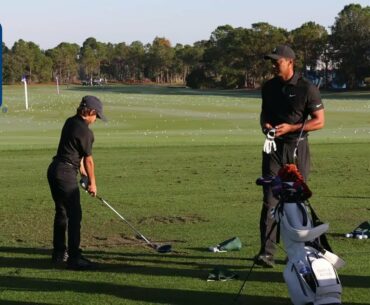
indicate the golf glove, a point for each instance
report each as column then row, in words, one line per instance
column 269, row 144
column 84, row 182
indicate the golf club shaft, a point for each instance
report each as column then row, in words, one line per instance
column 129, row 224
column 295, row 153
column 300, row 134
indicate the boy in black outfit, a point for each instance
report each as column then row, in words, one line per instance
column 74, row 155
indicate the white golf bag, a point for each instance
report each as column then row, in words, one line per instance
column 310, row 273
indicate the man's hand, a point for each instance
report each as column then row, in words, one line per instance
column 266, row 128
column 92, row 190
column 284, row 128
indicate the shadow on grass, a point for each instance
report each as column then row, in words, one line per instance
column 127, row 292
column 133, row 293
column 348, row 197
column 25, row 250
column 166, row 90
column 8, row 302
column 130, row 263
column 13, row 279
column 152, row 257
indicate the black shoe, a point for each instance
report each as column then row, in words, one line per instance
column 59, row 257
column 264, row 260
column 79, row 263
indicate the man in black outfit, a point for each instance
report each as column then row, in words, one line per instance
column 291, row 106
column 74, row 155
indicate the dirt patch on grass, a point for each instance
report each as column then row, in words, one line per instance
column 122, row 240
column 112, row 241
column 185, row 219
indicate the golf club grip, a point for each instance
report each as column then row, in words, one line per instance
column 124, row 219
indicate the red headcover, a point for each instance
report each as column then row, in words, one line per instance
column 290, row 173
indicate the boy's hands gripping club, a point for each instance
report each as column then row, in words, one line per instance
column 84, row 182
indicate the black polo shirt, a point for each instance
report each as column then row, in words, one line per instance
column 75, row 142
column 289, row 102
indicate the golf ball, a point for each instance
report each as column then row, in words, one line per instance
column 349, row 235
column 359, row 236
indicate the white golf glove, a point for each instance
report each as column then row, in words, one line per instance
column 269, row 142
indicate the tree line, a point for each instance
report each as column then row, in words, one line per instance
column 230, row 58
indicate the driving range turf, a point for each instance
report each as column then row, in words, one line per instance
column 181, row 166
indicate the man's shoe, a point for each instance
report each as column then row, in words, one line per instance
column 59, row 257
column 266, row 261
column 79, row 263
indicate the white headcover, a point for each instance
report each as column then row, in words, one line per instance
column 292, row 221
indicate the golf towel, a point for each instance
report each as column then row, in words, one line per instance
column 232, row 244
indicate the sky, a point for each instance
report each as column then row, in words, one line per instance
column 48, row 23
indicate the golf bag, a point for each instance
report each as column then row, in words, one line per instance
column 310, row 273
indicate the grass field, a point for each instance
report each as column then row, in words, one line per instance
column 181, row 166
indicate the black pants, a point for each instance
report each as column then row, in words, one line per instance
column 271, row 163
column 64, row 189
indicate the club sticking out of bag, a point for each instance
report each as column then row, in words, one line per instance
column 159, row 248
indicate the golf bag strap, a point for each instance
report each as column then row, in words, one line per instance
column 304, row 214
column 277, row 233
column 322, row 241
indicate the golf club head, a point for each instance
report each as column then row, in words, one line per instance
column 163, row 248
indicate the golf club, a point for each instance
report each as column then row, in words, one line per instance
column 300, row 134
column 295, row 156
column 160, row 249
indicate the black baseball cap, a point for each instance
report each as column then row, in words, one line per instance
column 93, row 102
column 281, row 51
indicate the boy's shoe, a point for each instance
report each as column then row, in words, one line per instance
column 264, row 260
column 59, row 257
column 79, row 263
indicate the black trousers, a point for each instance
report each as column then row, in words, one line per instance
column 64, row 189
column 271, row 163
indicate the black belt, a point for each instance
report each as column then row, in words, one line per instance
column 64, row 162
column 291, row 140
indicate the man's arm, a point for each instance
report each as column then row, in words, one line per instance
column 88, row 163
column 316, row 122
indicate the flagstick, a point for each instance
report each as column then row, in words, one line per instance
column 57, row 84
column 25, row 93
